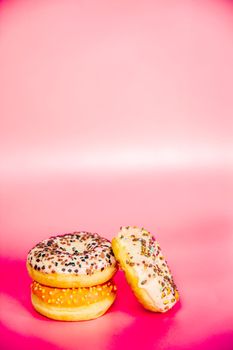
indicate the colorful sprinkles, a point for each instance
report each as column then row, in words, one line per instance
column 80, row 253
column 145, row 256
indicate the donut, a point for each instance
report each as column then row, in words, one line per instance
column 79, row 259
column 146, row 269
column 73, row 304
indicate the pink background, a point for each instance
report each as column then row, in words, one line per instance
column 119, row 113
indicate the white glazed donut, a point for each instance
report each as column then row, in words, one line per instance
column 79, row 259
column 146, row 269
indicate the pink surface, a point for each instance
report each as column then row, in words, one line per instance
column 119, row 113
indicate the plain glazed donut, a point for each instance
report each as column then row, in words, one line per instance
column 79, row 259
column 73, row 304
column 146, row 270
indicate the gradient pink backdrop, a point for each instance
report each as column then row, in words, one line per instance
column 119, row 113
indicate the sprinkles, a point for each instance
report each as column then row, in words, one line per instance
column 65, row 297
column 78, row 253
column 145, row 257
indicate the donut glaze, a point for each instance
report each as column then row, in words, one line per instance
column 72, row 260
column 146, row 269
column 73, row 304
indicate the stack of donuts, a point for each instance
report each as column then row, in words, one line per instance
column 72, row 273
column 72, row 276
